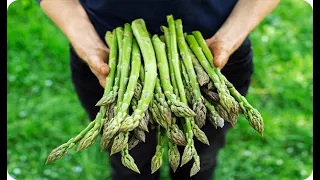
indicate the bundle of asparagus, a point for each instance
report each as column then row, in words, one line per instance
column 166, row 82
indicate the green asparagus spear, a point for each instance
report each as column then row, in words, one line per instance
column 168, row 47
column 92, row 135
column 196, row 164
column 108, row 38
column 177, row 107
column 188, row 151
column 207, row 52
column 198, row 105
column 226, row 100
column 162, row 104
column 252, row 115
column 141, row 34
column 173, row 156
column 125, row 66
column 63, row 149
column 200, row 110
column 176, row 136
column 133, row 142
column 117, row 121
column 213, row 116
column 128, row 161
column 119, row 142
column 112, row 95
column 202, row 76
column 138, row 133
column 156, row 161
column 210, row 95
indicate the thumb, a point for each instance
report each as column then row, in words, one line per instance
column 220, row 54
column 220, row 60
column 97, row 61
column 98, row 64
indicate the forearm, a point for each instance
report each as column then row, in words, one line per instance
column 245, row 16
column 72, row 19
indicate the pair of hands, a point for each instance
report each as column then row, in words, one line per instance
column 73, row 20
column 96, row 58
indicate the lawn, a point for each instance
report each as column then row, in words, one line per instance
column 44, row 111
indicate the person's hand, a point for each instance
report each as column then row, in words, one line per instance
column 222, row 48
column 245, row 16
column 73, row 20
column 97, row 59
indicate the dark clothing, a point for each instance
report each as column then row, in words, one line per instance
column 206, row 16
column 238, row 71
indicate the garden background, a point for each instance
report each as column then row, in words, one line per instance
column 43, row 109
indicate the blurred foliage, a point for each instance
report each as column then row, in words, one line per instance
column 43, row 109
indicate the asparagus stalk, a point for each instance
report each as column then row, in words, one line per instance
column 156, row 113
column 127, row 160
column 207, row 52
column 119, row 142
column 145, row 44
column 146, row 118
column 177, row 107
column 199, row 38
column 189, row 149
column 202, row 76
column 162, row 104
column 63, row 149
column 110, row 112
column 143, row 125
column 108, row 38
column 133, row 142
column 229, row 117
column 213, row 116
column 252, row 115
column 196, row 164
column 226, row 100
column 173, row 156
column 210, row 86
column 116, row 122
column 156, row 161
column 198, row 105
column 142, row 77
column 137, row 91
column 211, row 95
column 176, row 136
column 139, row 134
column 168, row 47
column 112, row 65
column 112, row 95
column 125, row 66
column 187, row 85
column 90, row 137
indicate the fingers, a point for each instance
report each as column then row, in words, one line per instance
column 220, row 52
column 101, row 77
column 97, row 63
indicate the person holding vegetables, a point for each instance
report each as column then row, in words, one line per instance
column 226, row 25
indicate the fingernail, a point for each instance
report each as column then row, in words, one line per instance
column 104, row 69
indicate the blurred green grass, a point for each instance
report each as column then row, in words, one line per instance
column 43, row 109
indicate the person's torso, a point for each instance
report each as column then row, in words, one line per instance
column 206, row 16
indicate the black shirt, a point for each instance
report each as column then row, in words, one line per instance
column 206, row 16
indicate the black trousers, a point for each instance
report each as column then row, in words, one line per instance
column 238, row 71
